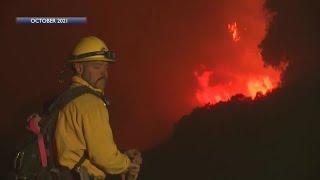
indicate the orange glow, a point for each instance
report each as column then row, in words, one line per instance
column 240, row 84
column 210, row 94
column 233, row 29
column 246, row 74
column 262, row 86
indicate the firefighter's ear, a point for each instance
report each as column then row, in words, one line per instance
column 78, row 67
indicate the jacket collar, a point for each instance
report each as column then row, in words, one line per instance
column 78, row 81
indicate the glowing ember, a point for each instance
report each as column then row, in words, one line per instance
column 233, row 29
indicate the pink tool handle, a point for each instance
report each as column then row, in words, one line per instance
column 34, row 127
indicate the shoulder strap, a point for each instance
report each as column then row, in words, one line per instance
column 62, row 100
column 80, row 162
column 71, row 94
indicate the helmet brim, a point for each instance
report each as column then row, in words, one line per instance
column 92, row 58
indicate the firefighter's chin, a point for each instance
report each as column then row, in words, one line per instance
column 101, row 84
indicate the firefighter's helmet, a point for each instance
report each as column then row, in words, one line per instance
column 91, row 48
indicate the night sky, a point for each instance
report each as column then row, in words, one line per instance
column 159, row 45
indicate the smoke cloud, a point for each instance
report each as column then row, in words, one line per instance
column 293, row 37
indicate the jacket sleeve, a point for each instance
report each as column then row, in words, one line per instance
column 97, row 133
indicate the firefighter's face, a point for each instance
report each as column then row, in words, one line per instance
column 94, row 72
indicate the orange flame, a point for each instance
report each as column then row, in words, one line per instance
column 233, row 29
column 207, row 93
column 242, row 84
column 259, row 86
column 220, row 84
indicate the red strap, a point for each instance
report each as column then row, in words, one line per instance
column 34, row 127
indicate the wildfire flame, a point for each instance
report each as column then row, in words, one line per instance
column 262, row 86
column 207, row 93
column 256, row 79
column 243, row 84
column 233, row 29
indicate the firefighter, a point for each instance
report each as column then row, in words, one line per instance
column 83, row 132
